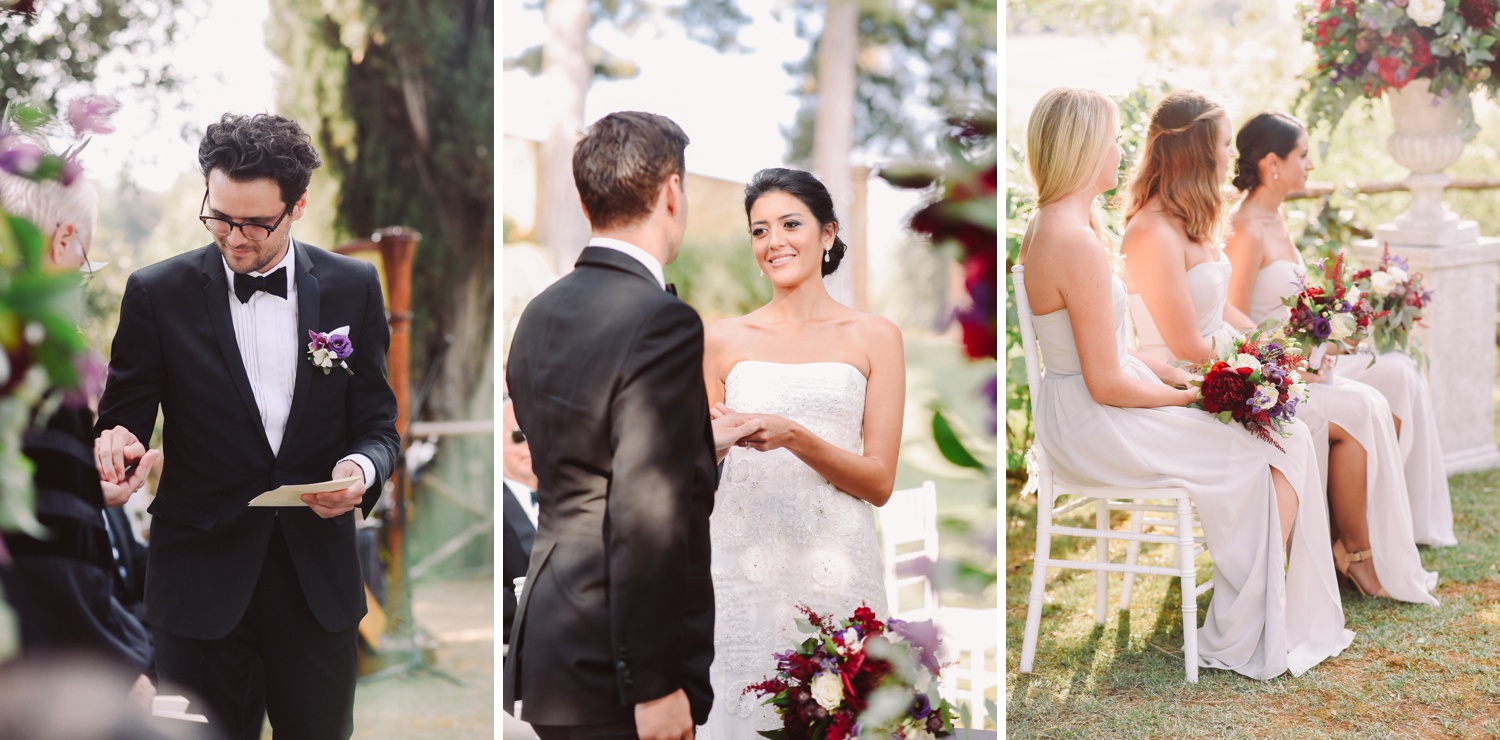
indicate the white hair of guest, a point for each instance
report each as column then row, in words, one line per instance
column 53, row 207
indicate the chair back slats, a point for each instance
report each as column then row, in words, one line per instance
column 1028, row 332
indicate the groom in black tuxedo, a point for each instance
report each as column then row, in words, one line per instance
column 217, row 339
column 613, row 635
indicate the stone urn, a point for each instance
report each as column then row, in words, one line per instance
column 1426, row 142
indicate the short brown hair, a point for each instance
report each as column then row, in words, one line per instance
column 1179, row 164
column 621, row 163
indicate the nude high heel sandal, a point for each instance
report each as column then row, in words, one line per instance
column 1341, row 560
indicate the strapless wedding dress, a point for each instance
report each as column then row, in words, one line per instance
column 1262, row 621
column 1364, row 413
column 782, row 535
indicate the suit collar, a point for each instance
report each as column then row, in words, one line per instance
column 615, row 260
column 647, row 259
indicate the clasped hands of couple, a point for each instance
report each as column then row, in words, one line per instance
column 123, row 462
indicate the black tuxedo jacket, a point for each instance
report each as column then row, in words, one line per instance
column 518, row 538
column 606, row 373
column 175, row 350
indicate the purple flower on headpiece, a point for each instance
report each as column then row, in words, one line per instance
column 90, row 115
column 21, row 159
column 70, row 172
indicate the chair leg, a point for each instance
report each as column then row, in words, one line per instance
column 1132, row 554
column 1189, row 577
column 1038, row 576
column 1101, row 578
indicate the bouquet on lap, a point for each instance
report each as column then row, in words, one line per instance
column 858, row 678
column 1398, row 298
column 1255, row 382
column 1328, row 308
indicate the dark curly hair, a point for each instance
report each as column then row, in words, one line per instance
column 806, row 188
column 261, row 146
column 1268, row 132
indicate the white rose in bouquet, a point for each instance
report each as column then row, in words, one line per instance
column 827, row 690
column 1343, row 327
column 1425, row 12
column 1382, row 283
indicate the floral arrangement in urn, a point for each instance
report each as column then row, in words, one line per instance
column 1366, row 48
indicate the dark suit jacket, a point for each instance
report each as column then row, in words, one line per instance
column 62, row 586
column 518, row 537
column 175, row 350
column 606, row 375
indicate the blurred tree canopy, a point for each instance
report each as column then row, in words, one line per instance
column 44, row 47
column 919, row 62
column 399, row 98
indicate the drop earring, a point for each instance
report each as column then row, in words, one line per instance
column 762, row 273
column 826, row 253
column 1275, row 174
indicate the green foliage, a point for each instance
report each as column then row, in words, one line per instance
column 950, row 445
column 718, row 279
column 1329, row 224
column 399, row 98
column 919, row 62
column 62, row 44
column 715, row 23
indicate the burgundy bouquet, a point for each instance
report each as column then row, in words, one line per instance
column 860, row 677
column 1255, row 383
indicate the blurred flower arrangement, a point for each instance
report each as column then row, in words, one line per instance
column 860, row 677
column 1366, row 48
column 1398, row 298
column 40, row 345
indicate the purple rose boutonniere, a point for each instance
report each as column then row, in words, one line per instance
column 330, row 349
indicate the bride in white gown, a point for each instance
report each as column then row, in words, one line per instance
column 1107, row 418
column 794, row 519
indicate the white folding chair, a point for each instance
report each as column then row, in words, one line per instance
column 1105, row 499
column 909, row 545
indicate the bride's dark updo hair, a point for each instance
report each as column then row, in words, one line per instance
column 1269, row 132
column 806, row 188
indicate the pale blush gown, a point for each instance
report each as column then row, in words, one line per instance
column 1364, row 413
column 782, row 535
column 1263, row 620
column 1399, row 378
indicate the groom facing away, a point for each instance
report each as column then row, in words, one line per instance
column 613, row 635
column 216, row 338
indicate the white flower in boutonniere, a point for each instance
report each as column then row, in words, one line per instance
column 332, row 348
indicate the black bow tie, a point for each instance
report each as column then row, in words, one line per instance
column 672, row 288
column 273, row 283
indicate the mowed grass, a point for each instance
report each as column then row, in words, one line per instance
column 1412, row 671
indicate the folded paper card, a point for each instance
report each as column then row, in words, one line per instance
column 291, row 495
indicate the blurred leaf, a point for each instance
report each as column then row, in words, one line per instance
column 949, row 445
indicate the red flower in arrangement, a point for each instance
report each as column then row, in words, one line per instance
column 1223, row 389
column 1393, row 72
column 1478, row 13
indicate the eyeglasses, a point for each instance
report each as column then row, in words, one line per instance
column 517, row 436
column 223, row 227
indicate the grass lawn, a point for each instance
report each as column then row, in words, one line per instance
column 1412, row 671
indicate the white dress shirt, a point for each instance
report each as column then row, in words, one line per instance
column 522, row 494
column 265, row 328
column 641, row 255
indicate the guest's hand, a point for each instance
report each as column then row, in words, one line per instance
column 730, row 427
column 667, row 718
column 115, row 452
column 116, row 494
column 330, row 504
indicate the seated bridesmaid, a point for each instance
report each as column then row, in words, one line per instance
column 1107, row 418
column 1374, row 545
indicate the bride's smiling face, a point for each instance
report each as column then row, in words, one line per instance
column 787, row 240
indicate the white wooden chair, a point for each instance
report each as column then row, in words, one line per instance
column 1135, row 501
column 909, row 545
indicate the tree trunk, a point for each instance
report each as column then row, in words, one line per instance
column 833, row 134
column 561, row 225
